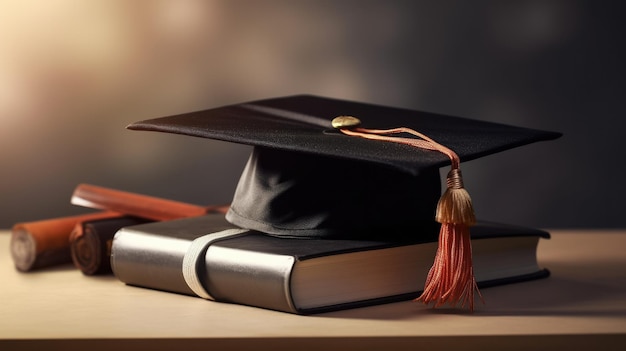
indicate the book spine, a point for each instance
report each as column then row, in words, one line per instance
column 231, row 275
column 150, row 261
column 250, row 278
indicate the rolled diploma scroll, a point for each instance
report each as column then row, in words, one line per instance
column 90, row 243
column 45, row 243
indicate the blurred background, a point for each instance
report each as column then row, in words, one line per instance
column 74, row 73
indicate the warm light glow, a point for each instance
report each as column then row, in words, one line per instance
column 74, row 73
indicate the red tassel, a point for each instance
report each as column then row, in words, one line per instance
column 451, row 278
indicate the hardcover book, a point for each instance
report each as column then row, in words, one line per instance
column 307, row 276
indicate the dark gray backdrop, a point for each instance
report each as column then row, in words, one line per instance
column 556, row 65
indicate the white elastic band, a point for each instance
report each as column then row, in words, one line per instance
column 198, row 249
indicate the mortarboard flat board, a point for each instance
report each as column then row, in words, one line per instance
column 302, row 123
column 309, row 178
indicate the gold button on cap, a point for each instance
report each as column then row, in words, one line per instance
column 345, row 122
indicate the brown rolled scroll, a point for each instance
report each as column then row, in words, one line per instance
column 90, row 243
column 45, row 243
column 138, row 205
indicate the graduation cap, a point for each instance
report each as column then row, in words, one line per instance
column 329, row 168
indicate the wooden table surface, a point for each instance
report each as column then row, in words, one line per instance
column 581, row 306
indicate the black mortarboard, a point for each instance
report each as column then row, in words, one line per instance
column 306, row 178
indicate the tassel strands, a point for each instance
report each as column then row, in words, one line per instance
column 451, row 279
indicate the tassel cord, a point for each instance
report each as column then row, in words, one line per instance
column 425, row 143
